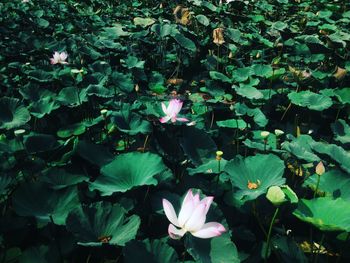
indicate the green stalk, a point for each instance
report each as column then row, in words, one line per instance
column 269, row 233
column 317, row 185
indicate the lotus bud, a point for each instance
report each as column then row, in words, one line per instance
column 19, row 133
column 265, row 134
column 275, row 195
column 279, row 132
column 320, row 168
column 104, row 113
column 219, row 155
column 218, row 36
column 137, row 88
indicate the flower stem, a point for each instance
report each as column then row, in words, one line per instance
column 269, row 233
column 317, row 185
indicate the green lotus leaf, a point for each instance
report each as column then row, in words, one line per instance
column 203, row 20
column 241, row 74
column 233, row 124
column 36, row 142
column 43, row 107
column 311, row 100
column 58, row 178
column 185, row 42
column 215, row 250
column 115, row 32
column 262, row 171
column 262, row 70
column 123, row 82
column 258, row 116
column 155, row 251
column 342, row 131
column 210, row 167
column 96, row 154
column 130, row 122
column 144, row 22
column 41, row 75
column 40, row 201
column 215, row 75
column 72, row 96
column 127, row 171
column 343, row 95
column 198, row 145
column 325, row 213
column 301, row 148
column 101, row 223
column 99, row 91
column 248, row 91
column 333, row 183
column 73, row 129
column 335, row 152
column 13, row 114
column 162, row 30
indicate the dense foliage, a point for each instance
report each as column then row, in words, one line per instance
column 109, row 107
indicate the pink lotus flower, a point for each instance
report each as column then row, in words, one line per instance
column 59, row 58
column 192, row 218
column 172, row 111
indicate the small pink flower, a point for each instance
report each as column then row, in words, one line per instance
column 59, row 58
column 192, row 218
column 172, row 111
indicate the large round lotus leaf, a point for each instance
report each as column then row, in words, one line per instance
column 96, row 154
column 143, row 22
column 343, row 95
column 333, row 183
column 258, row 116
column 58, row 178
column 73, row 129
column 72, row 96
column 127, row 171
column 36, row 142
column 12, row 114
column 248, row 91
column 335, row 152
column 255, row 174
column 311, row 100
column 233, row 124
column 198, row 145
column 184, row 42
column 131, row 123
column 155, row 251
column 123, row 81
column 342, row 131
column 325, row 213
column 102, row 223
column 40, row 201
column 42, row 107
column 300, row 147
column 215, row 250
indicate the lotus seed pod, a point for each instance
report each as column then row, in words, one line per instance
column 275, row 195
column 279, row 132
column 265, row 134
